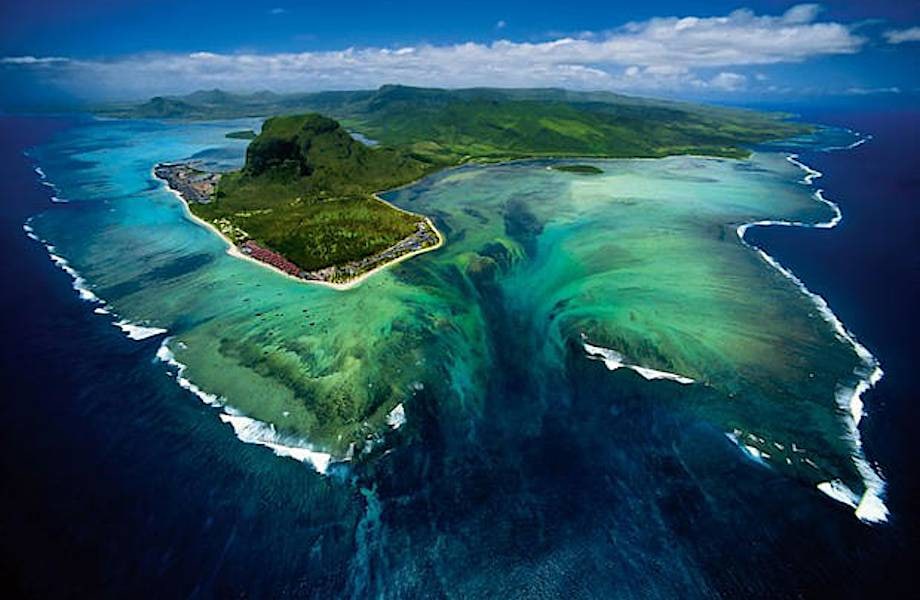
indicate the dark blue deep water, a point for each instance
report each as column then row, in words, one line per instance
column 117, row 483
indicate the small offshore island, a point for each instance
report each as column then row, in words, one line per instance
column 580, row 169
column 243, row 134
column 296, row 207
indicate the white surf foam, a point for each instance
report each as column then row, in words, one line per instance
column 138, row 332
column 43, row 178
column 79, row 284
column 164, row 354
column 30, row 233
column 396, row 418
column 840, row 492
column 655, row 374
column 132, row 330
column 252, row 431
column 748, row 450
column 810, row 174
column 247, row 429
column 613, row 360
column 858, row 143
column 862, row 140
column 871, row 507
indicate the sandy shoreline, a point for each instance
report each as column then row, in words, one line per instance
column 235, row 252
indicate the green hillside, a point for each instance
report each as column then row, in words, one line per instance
column 306, row 192
column 450, row 126
column 306, row 189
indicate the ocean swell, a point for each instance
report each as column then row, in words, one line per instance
column 137, row 332
column 44, row 181
column 247, row 429
column 613, row 360
column 134, row 331
column 870, row 507
column 79, row 284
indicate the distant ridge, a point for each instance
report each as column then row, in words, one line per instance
column 449, row 126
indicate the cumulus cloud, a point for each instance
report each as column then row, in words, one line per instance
column 803, row 13
column 899, row 36
column 727, row 81
column 668, row 53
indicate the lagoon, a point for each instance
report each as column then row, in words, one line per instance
column 540, row 267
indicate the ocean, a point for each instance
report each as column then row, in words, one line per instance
column 117, row 481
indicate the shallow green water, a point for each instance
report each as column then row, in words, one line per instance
column 643, row 259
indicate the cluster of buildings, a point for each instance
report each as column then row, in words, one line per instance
column 424, row 237
column 192, row 184
column 270, row 257
column 199, row 186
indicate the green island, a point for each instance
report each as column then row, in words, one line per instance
column 244, row 134
column 305, row 200
column 582, row 169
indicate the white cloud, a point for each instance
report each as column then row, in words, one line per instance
column 803, row 13
column 658, row 54
column 861, row 91
column 32, row 60
column 501, row 24
column 277, row 11
column 729, row 82
column 899, row 36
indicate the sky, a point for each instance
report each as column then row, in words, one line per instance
column 99, row 50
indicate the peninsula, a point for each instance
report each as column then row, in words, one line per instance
column 448, row 127
column 306, row 200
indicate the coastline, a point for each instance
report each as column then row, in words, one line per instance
column 868, row 507
column 235, row 252
column 246, row 429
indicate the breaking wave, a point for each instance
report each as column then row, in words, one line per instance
column 869, row 507
column 247, row 429
column 613, row 360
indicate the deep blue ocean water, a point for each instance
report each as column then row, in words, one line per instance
column 116, row 482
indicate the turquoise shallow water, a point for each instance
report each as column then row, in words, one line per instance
column 120, row 483
column 642, row 263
